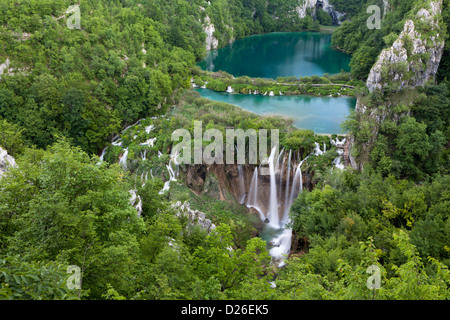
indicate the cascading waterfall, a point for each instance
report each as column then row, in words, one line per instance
column 317, row 151
column 279, row 197
column 282, row 167
column 253, row 191
column 172, row 175
column 123, row 160
column 286, row 208
column 335, row 15
column 241, row 184
column 273, row 204
column 252, row 197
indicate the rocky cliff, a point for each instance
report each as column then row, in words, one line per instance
column 304, row 6
column 211, row 40
column 310, row 6
column 411, row 61
column 6, row 162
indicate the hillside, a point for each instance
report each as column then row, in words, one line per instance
column 89, row 179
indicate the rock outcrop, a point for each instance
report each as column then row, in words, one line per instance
column 6, row 162
column 310, row 6
column 413, row 59
column 195, row 217
column 211, row 40
column 302, row 9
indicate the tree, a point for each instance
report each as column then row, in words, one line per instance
column 75, row 210
column 231, row 267
column 11, row 138
column 22, row 280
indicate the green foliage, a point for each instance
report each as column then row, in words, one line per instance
column 365, row 44
column 326, row 85
column 231, row 267
column 21, row 280
column 324, row 18
column 11, row 138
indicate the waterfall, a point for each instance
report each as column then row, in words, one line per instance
column 144, row 155
column 286, row 207
column 335, row 15
column 298, row 181
column 282, row 246
column 139, row 206
column 317, row 150
column 337, row 162
column 230, row 89
column 171, row 178
column 295, row 182
column 272, row 215
column 102, row 156
column 252, row 197
column 123, row 160
column 281, row 170
column 241, row 184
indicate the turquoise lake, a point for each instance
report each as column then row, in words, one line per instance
column 284, row 54
column 320, row 114
column 277, row 55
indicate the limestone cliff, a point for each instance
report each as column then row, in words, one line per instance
column 411, row 61
column 211, row 40
column 304, row 6
column 6, row 162
column 311, row 6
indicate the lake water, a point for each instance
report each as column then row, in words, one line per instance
column 277, row 55
column 320, row 114
column 284, row 54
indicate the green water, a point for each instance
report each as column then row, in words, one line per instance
column 320, row 114
column 278, row 55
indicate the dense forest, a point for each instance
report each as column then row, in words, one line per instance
column 122, row 82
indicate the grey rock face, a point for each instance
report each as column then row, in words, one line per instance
column 6, row 162
column 413, row 59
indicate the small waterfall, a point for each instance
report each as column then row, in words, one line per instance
column 133, row 199
column 272, row 215
column 337, row 162
column 280, row 174
column 102, row 156
column 295, row 182
column 335, row 15
column 230, row 89
column 139, row 206
column 317, row 150
column 286, row 207
column 282, row 246
column 171, row 176
column 123, row 160
column 241, row 184
column 252, row 197
column 144, row 155
column 337, row 142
